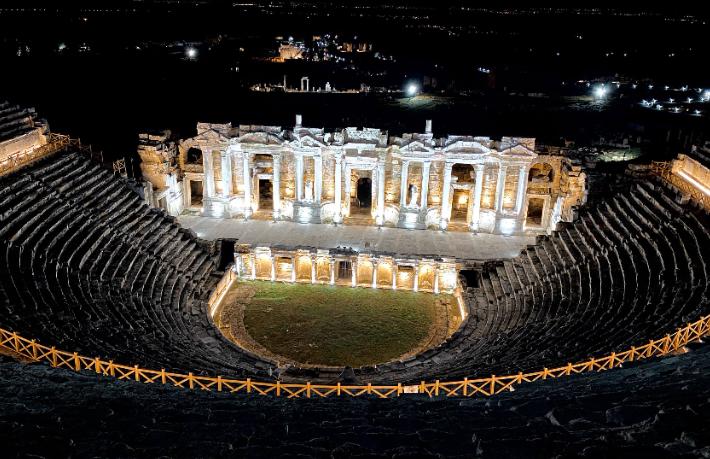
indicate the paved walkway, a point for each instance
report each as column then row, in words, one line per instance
column 464, row 246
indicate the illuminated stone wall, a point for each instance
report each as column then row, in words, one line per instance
column 370, row 270
column 370, row 153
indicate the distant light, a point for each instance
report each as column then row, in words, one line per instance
column 191, row 53
column 412, row 90
column 666, row 87
column 600, row 92
column 690, row 99
column 697, row 112
column 706, row 95
column 650, row 86
column 634, row 85
column 671, row 100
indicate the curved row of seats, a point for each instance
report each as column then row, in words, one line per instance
column 86, row 266
column 631, row 267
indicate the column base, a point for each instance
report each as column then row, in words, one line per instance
column 412, row 218
column 306, row 212
column 215, row 208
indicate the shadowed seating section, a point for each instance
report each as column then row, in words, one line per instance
column 87, row 267
column 631, row 268
column 651, row 409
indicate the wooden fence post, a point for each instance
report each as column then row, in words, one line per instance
column 77, row 362
column 54, row 357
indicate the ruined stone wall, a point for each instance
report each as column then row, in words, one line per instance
column 22, row 144
column 328, row 178
column 288, row 176
column 393, row 174
column 436, row 183
column 490, row 183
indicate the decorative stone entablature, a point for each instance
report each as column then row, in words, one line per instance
column 364, row 176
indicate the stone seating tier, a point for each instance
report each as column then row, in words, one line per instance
column 87, row 267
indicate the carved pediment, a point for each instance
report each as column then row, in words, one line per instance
column 264, row 138
column 208, row 136
column 467, row 146
column 365, row 135
column 309, row 140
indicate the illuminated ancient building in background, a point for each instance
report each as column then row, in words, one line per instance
column 362, row 176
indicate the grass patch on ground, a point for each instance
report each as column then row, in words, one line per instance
column 327, row 325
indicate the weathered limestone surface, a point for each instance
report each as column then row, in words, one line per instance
column 417, row 190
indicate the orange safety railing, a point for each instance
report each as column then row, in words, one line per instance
column 489, row 386
column 55, row 143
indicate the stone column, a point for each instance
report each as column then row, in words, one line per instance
column 415, row 283
column 247, row 183
column 314, row 265
column 252, row 257
column 436, row 278
column 374, row 274
column 208, row 168
column 338, row 216
column 354, row 272
column 276, row 186
column 394, row 275
column 477, row 191
column 380, row 217
column 332, row 271
column 186, row 192
column 273, row 268
column 425, row 184
column 521, row 188
column 446, row 197
column 293, row 269
column 500, row 187
column 403, row 185
column 299, row 178
column 226, row 173
column 238, row 265
column 348, row 186
column 318, row 185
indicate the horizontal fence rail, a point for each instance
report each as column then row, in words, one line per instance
column 489, row 386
